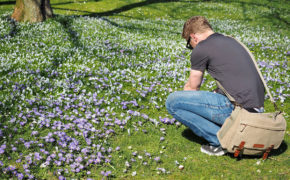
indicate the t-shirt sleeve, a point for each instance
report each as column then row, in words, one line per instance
column 198, row 60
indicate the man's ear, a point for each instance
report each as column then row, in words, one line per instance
column 191, row 35
column 194, row 37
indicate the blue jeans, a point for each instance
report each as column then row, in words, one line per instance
column 203, row 112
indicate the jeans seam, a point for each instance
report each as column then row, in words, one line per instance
column 204, row 105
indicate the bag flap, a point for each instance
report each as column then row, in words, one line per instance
column 271, row 121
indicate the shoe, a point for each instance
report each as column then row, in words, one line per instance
column 213, row 150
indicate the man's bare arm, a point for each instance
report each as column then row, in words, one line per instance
column 194, row 81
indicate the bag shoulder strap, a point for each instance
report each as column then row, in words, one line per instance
column 226, row 93
column 258, row 70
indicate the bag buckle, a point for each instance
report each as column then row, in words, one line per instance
column 239, row 149
column 267, row 152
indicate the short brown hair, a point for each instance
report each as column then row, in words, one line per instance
column 196, row 24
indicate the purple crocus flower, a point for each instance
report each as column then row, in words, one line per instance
column 33, row 133
column 61, row 178
column 79, row 159
column 20, row 176
column 27, row 144
column 97, row 161
column 144, row 116
column 37, row 156
column 106, row 174
column 25, row 166
column 3, row 146
column 157, row 159
column 148, row 154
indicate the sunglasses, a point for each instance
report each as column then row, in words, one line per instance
column 188, row 46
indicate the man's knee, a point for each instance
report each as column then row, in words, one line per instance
column 170, row 101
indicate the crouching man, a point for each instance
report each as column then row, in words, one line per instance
column 227, row 62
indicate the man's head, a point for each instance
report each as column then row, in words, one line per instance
column 194, row 27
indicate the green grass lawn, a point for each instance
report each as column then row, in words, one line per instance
column 82, row 95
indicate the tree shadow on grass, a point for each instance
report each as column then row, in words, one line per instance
column 118, row 25
column 71, row 2
column 131, row 27
column 123, row 8
column 73, row 37
column 120, row 9
column 13, row 30
column 131, row 6
column 7, row 3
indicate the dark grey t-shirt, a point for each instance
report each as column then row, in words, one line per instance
column 229, row 63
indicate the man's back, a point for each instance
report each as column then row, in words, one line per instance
column 229, row 63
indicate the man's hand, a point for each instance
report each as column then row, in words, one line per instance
column 194, row 81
